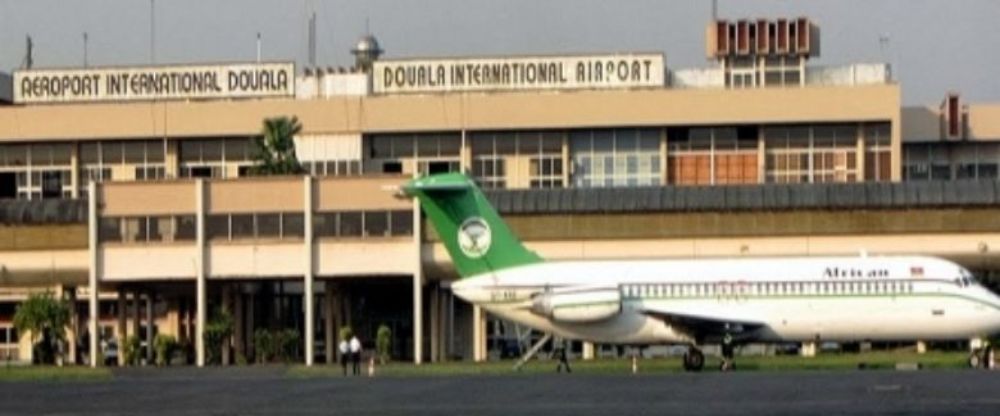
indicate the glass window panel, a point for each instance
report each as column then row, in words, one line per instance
column 16, row 155
column 401, row 222
column 190, row 150
column 135, row 152
column 649, row 140
column 242, row 226
column 111, row 152
column 268, row 225
column 110, row 229
column 187, row 228
column 506, row 143
column 325, row 224
column 450, row 145
column 603, row 141
column 216, row 227
column 528, row 142
column 626, row 140
column 237, row 149
column 350, row 224
column 402, row 146
column 376, row 224
column 292, row 225
column 211, row 150
column 552, row 142
column 41, row 154
column 88, row 154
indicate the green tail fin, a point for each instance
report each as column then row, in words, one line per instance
column 477, row 240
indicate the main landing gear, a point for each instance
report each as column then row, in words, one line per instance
column 694, row 359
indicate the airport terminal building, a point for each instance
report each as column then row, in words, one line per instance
column 130, row 191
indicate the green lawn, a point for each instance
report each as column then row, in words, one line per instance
column 50, row 373
column 822, row 362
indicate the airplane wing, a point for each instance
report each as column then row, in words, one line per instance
column 708, row 324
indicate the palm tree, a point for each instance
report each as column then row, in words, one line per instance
column 275, row 148
column 45, row 318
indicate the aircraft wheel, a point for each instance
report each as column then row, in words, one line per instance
column 694, row 360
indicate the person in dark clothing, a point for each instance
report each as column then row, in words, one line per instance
column 560, row 352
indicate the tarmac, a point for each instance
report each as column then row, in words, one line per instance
column 269, row 391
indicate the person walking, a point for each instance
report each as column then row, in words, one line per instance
column 560, row 352
column 345, row 354
column 356, row 355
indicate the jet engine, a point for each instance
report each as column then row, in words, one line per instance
column 578, row 305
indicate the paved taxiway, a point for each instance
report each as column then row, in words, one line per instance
column 267, row 391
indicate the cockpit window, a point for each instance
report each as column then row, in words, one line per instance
column 965, row 278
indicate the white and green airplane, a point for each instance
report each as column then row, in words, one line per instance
column 725, row 300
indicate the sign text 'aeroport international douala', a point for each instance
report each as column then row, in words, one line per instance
column 519, row 73
column 155, row 83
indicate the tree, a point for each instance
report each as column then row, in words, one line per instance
column 275, row 147
column 383, row 343
column 45, row 318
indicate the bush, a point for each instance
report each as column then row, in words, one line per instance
column 263, row 345
column 217, row 331
column 165, row 347
column 130, row 350
column 383, row 343
column 276, row 345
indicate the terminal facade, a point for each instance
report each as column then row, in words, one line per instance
column 129, row 191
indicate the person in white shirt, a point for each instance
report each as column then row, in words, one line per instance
column 345, row 351
column 356, row 354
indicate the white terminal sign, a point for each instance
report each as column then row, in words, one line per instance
column 155, row 83
column 519, row 73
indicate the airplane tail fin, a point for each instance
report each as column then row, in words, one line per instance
column 477, row 240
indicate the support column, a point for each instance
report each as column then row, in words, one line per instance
column 74, row 325
column 329, row 326
column 136, row 319
column 921, row 347
column 150, row 325
column 435, row 324
column 74, row 170
column 122, row 324
column 478, row 334
column 588, row 351
column 808, row 349
column 307, row 291
column 94, row 264
column 418, row 284
column 199, row 330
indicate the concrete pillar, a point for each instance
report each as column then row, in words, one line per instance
column 150, row 325
column 307, row 292
column 435, row 324
column 92, row 275
column 74, row 170
column 136, row 319
column 921, row 347
column 478, row 334
column 418, row 285
column 860, row 153
column 329, row 325
column 588, row 351
column 808, row 349
column 200, row 289
column 74, row 325
column 122, row 324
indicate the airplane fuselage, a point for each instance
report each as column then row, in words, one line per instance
column 793, row 299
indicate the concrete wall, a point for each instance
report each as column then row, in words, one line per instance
column 437, row 112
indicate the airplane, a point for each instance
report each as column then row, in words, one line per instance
column 699, row 301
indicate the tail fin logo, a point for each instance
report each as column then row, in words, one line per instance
column 474, row 237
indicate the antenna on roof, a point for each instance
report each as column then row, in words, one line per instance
column 312, row 40
column 29, row 60
column 368, row 31
column 85, row 63
column 258, row 47
column 715, row 10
